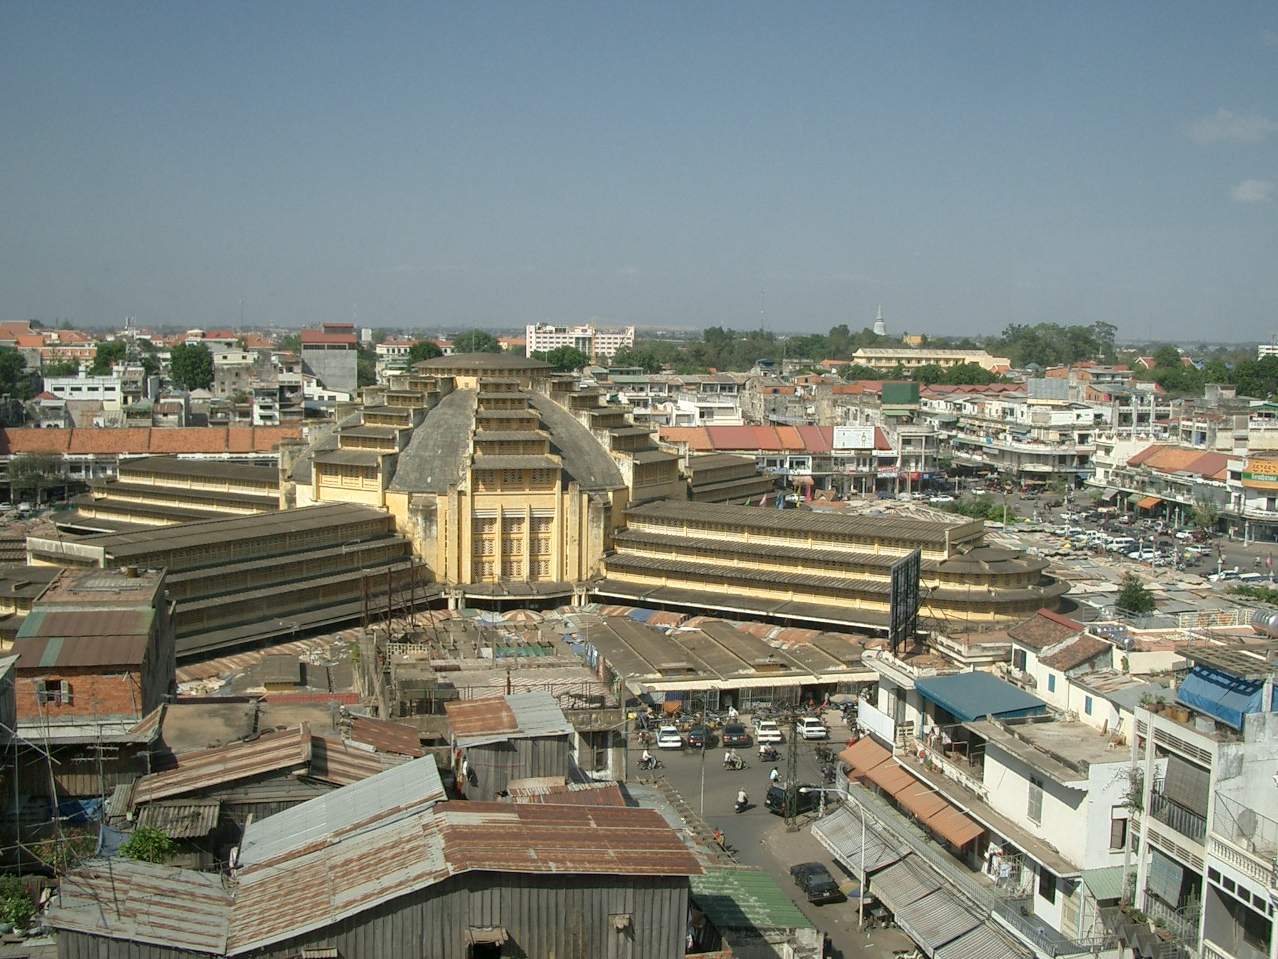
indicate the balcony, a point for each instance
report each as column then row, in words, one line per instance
column 1181, row 923
column 1185, row 821
column 1018, row 916
column 1246, row 840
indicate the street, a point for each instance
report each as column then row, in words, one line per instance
column 759, row 838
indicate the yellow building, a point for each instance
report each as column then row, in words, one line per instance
column 507, row 478
column 817, row 567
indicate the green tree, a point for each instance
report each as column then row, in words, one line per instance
column 929, row 373
column 292, row 343
column 968, row 374
column 60, row 368
column 365, row 367
column 15, row 380
column 565, row 359
column 1167, row 357
column 1134, row 597
column 148, row 844
column 630, row 356
column 423, row 350
column 16, row 907
column 191, row 367
column 859, row 372
column 1206, row 514
column 106, row 356
column 477, row 341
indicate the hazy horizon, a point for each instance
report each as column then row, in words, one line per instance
column 423, row 166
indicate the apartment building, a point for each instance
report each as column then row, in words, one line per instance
column 908, row 358
column 668, row 400
column 596, row 343
column 1028, row 439
column 331, row 355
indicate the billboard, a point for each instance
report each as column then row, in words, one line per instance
column 904, row 615
column 854, row 437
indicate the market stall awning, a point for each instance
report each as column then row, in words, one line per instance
column 851, row 840
column 1109, row 494
column 921, row 800
column 1147, row 502
column 891, row 778
column 863, row 755
column 936, row 919
column 981, row 943
column 906, row 882
column 955, row 827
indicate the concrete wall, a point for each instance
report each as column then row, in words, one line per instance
column 336, row 369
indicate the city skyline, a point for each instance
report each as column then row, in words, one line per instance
column 432, row 167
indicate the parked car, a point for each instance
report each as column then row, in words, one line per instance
column 807, row 798
column 735, row 734
column 816, row 882
column 941, row 498
column 699, row 737
column 668, row 738
column 810, row 727
column 767, row 731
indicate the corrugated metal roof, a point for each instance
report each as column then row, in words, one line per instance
column 906, row 882
column 936, row 919
column 214, row 767
column 141, row 902
column 342, row 763
column 840, row 833
column 326, row 819
column 742, row 897
column 100, row 637
column 1107, row 882
column 555, row 791
column 181, row 819
column 981, row 943
column 386, row 736
column 477, row 722
column 970, row 696
column 523, row 837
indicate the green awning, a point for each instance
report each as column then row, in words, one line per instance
column 1105, row 883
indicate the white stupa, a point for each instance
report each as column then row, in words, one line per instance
column 880, row 328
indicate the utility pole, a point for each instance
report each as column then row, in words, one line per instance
column 792, row 778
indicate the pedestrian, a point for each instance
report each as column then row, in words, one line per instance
column 774, row 776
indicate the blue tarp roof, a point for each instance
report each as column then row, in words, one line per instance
column 972, row 696
column 1218, row 694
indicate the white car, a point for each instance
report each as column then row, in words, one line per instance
column 943, row 498
column 668, row 738
column 767, row 731
column 812, row 728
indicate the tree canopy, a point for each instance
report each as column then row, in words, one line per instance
column 565, row 359
column 476, row 341
column 15, row 380
column 423, row 350
column 1134, row 597
column 191, row 366
column 1051, row 344
column 106, row 356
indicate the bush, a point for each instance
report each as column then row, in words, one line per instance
column 1134, row 597
column 149, row 845
column 16, row 906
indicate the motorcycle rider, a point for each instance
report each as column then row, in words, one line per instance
column 645, row 761
column 729, row 759
column 742, row 799
column 774, row 776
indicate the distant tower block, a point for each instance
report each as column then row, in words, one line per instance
column 880, row 327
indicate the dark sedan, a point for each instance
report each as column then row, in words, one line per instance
column 807, row 798
column 735, row 734
column 699, row 737
column 816, row 882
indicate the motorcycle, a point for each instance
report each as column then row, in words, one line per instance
column 736, row 765
column 828, row 773
column 652, row 762
column 740, row 806
column 768, row 754
column 824, row 753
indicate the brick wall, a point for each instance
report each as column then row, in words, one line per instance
column 92, row 694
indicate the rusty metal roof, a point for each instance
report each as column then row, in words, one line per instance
column 100, row 637
column 384, row 735
column 181, row 819
column 214, row 767
column 552, row 789
column 328, row 819
column 342, row 763
column 532, row 837
column 477, row 722
column 141, row 902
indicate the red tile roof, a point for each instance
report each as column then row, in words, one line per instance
column 1179, row 459
column 320, row 338
column 797, row 439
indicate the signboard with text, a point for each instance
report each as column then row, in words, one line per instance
column 854, row 437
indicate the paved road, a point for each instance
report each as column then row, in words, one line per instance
column 760, row 838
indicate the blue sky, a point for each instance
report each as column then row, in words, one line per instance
column 966, row 165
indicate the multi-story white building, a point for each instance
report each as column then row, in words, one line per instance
column 106, row 390
column 595, row 343
column 908, row 358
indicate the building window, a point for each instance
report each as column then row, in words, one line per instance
column 1087, row 705
column 1018, row 659
column 1035, row 808
column 1046, row 885
column 1117, row 828
column 1051, row 682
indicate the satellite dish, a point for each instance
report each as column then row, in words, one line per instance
column 1247, row 823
